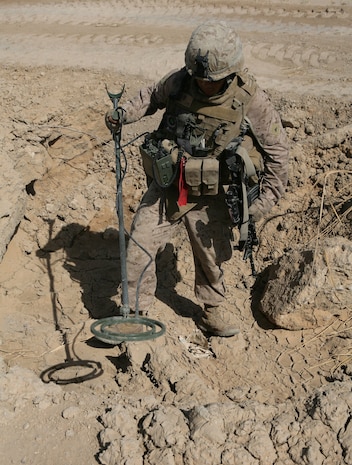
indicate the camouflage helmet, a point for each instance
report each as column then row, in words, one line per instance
column 214, row 51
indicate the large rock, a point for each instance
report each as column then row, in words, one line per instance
column 306, row 288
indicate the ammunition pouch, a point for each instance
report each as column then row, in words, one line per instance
column 202, row 176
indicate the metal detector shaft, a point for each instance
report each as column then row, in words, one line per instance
column 112, row 330
column 125, row 308
column 119, row 208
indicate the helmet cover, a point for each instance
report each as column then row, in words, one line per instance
column 214, row 51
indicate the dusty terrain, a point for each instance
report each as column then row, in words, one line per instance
column 267, row 396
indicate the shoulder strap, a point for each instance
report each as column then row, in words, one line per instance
column 248, row 164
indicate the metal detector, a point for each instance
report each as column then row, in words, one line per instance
column 116, row 329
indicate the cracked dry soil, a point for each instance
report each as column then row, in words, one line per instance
column 268, row 396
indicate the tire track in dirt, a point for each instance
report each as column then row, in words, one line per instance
column 305, row 39
column 93, row 12
column 294, row 55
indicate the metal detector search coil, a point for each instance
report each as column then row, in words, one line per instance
column 106, row 329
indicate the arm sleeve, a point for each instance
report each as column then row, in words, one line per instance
column 266, row 125
column 152, row 98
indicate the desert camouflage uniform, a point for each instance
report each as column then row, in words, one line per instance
column 208, row 223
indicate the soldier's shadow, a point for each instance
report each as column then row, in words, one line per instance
column 93, row 260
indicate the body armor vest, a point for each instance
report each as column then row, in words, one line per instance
column 204, row 126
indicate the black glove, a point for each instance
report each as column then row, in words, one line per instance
column 114, row 119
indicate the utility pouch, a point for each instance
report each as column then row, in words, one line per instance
column 202, row 176
column 163, row 170
column 160, row 160
column 149, row 151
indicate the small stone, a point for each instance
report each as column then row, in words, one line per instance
column 70, row 412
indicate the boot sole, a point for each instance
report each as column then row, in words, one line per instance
column 214, row 332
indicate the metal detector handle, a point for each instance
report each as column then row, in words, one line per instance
column 117, row 111
column 115, row 98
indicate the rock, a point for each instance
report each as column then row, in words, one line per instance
column 119, row 438
column 261, row 447
column 335, row 137
column 192, row 389
column 307, row 287
column 331, row 405
column 166, row 427
column 71, row 412
column 309, row 129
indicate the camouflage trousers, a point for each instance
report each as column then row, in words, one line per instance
column 209, row 231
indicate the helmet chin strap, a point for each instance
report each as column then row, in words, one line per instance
column 230, row 78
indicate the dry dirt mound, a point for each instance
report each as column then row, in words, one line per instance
column 267, row 396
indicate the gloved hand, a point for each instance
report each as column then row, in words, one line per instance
column 113, row 119
column 255, row 213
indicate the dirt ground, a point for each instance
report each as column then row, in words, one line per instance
column 266, row 396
